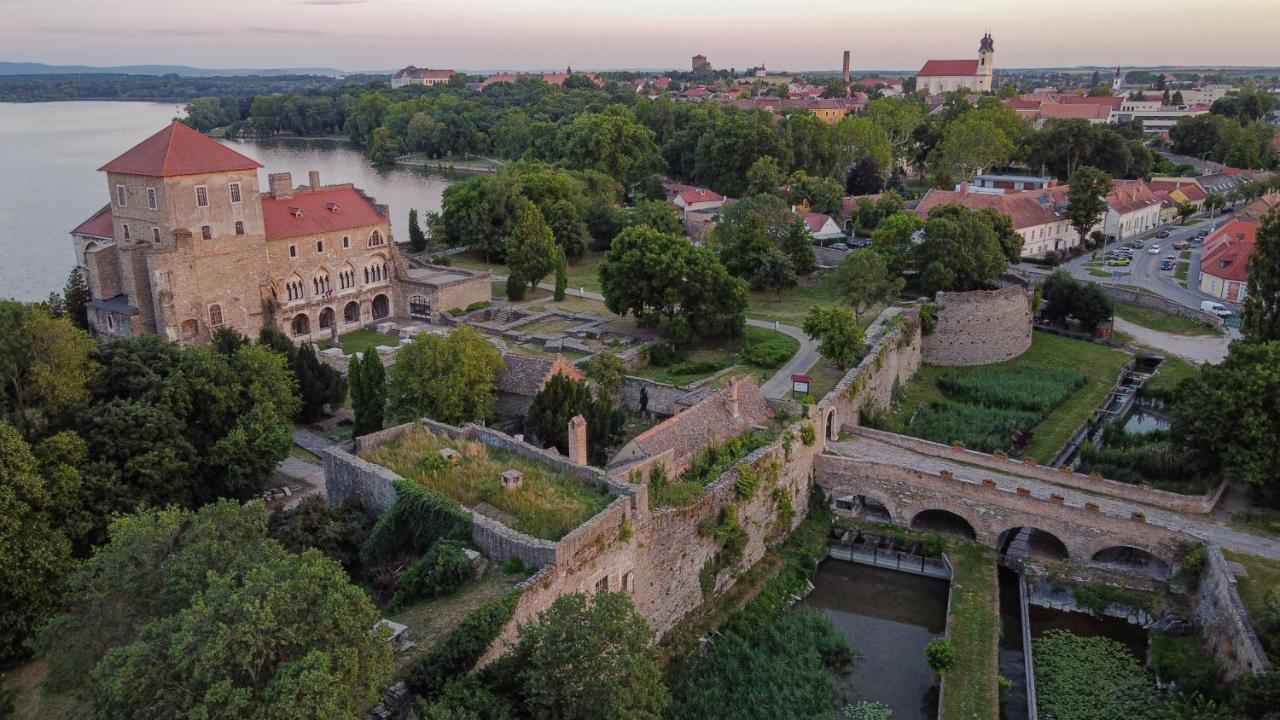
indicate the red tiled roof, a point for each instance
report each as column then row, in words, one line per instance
column 1130, row 195
column 179, row 150
column 692, row 194
column 1226, row 252
column 708, row 420
column 1260, row 206
column 1021, row 103
column 949, row 68
column 1026, row 209
column 98, row 225
column 814, row 220
column 1109, row 100
column 1060, row 111
column 354, row 210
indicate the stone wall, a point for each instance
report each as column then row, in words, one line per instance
column 662, row 397
column 829, row 257
column 1144, row 494
column 894, row 342
column 1228, row 632
column 980, row 327
column 1161, row 304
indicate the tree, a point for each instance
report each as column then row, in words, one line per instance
column 773, row 272
column 453, row 378
column 562, row 276
column 563, row 398
column 820, row 194
column 1087, row 200
column 611, row 142
column 730, row 146
column 1067, row 297
column 840, row 337
column 368, row 380
column 865, row 178
column 863, row 279
column 531, row 251
column 893, row 238
column 764, row 177
column 1177, row 99
column 971, row 142
column 384, row 148
column 855, row 138
column 417, row 239
column 588, row 657
column 319, row 385
column 76, row 297
column 657, row 214
column 1228, row 415
column 941, row 655
column 36, row 557
column 1262, row 299
column 961, row 250
column 797, row 245
column 606, row 370
column 44, row 366
column 898, row 118
column 568, row 229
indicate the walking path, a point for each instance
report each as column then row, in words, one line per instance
column 1196, row 348
column 1200, row 527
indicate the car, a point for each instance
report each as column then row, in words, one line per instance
column 1118, row 262
column 1166, row 265
column 1136, row 245
column 1181, row 245
column 839, row 246
column 1170, row 257
column 1153, row 250
column 1162, row 234
column 1214, row 308
column 1203, row 234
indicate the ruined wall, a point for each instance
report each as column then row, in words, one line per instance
column 980, row 327
column 1228, row 632
column 894, row 353
column 662, row 397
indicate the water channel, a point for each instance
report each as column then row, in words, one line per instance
column 888, row 618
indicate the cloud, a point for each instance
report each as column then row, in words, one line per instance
column 332, row 2
column 257, row 32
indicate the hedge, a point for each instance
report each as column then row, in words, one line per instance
column 419, row 517
column 462, row 648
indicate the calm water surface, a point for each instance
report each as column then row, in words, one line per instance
column 888, row 617
column 50, row 153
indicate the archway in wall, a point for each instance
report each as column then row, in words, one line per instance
column 944, row 521
column 351, row 313
column 301, row 324
column 833, row 428
column 419, row 308
column 326, row 318
column 862, row 506
column 1027, row 541
column 381, row 307
column 189, row 330
column 1132, row 560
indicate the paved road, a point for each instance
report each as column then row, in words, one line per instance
column 778, row 386
column 1194, row 348
column 1199, row 526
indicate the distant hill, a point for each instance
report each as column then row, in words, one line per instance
column 21, row 68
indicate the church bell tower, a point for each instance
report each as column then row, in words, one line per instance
column 986, row 63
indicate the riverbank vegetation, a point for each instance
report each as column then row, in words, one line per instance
column 973, row 629
column 1090, row 678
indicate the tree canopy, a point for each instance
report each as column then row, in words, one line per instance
column 450, row 378
column 1262, row 299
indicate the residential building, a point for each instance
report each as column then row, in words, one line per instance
column 700, row 63
column 1001, row 183
column 942, row 76
column 420, row 76
column 1037, row 215
column 1183, row 190
column 690, row 198
column 822, row 227
column 1224, row 262
column 1207, row 95
column 1132, row 209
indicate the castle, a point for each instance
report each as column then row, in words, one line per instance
column 188, row 244
column 939, row 76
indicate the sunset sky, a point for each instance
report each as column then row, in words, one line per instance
column 543, row 34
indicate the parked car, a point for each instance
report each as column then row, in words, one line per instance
column 1181, row 245
column 1153, row 250
column 1166, row 265
column 839, row 246
column 1118, row 262
column 1203, row 233
column 1214, row 308
column 1162, row 234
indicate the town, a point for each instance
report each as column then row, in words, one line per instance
column 950, row 392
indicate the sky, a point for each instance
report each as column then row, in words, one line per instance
column 482, row 35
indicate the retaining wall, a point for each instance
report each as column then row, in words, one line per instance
column 893, row 355
column 662, row 397
column 1228, row 632
column 979, row 327
column 1161, row 304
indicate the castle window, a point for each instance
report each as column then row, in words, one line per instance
column 151, row 199
column 293, row 289
column 202, row 196
column 319, row 246
column 375, row 239
column 121, row 196
column 346, row 241
column 215, row 315
column 125, row 227
column 235, row 192
column 155, row 235
column 239, row 227
column 206, row 232
column 293, row 251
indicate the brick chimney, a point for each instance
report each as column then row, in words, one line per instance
column 578, row 440
column 964, row 189
column 281, row 185
column 733, row 398
column 314, row 178
column 845, row 74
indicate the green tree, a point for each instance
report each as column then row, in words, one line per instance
column 822, row 195
column 863, row 279
column 1087, row 200
column 774, row 272
column 1229, row 414
column 840, row 337
column 559, row 401
column 453, row 378
column 383, row 148
column 855, row 138
column 417, row 238
column 44, row 367
column 562, row 276
column 893, row 238
column 971, row 142
column 865, row 177
column 588, row 658
column 728, row 148
column 961, row 250
column 1262, row 299
column 898, row 118
column 568, row 229
column 36, row 557
column 531, row 251
column 764, row 177
column 1067, row 297
column 657, row 214
column 606, row 370
column 941, row 655
column 76, row 297
column 611, row 142
column 368, row 380
column 319, row 385
column 797, row 244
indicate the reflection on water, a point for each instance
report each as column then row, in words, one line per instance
column 888, row 617
column 1142, row 421
column 1013, row 706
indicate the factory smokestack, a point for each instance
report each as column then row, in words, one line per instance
column 845, row 75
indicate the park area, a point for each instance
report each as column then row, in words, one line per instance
column 1028, row 406
column 546, row 506
column 758, row 351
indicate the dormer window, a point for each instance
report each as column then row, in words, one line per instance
column 333, row 207
column 121, row 196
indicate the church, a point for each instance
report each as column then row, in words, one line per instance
column 940, row 76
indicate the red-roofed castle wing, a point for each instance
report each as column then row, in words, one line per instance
column 179, row 150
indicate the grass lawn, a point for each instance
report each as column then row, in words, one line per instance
column 708, row 359
column 364, row 339
column 791, row 305
column 548, row 504
column 583, row 273
column 1259, row 585
column 824, row 375
column 1099, row 364
column 1259, row 521
column 32, row 702
column 1163, row 322
column 430, row 620
column 1171, row 372
column 1180, row 272
column 973, row 627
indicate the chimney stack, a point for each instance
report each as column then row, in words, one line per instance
column 845, row 75
column 578, row 440
column 314, row 177
column 281, row 185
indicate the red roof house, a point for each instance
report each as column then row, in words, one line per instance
column 309, row 212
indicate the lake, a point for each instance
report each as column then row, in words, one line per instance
column 50, row 154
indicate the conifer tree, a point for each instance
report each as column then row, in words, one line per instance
column 76, row 298
column 417, row 238
column 562, row 275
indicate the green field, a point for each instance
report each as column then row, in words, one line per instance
column 365, row 339
column 1163, row 322
column 1100, row 365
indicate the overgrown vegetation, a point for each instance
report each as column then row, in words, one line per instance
column 1143, row 458
column 973, row 627
column 1090, row 678
column 705, row 466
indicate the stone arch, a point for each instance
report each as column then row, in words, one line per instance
column 1044, row 543
column 327, row 318
column 320, row 282
column 189, row 330
column 1130, row 559
column 381, row 306
column 832, row 427
column 301, row 324
column 954, row 521
column 351, row 312
column 869, row 502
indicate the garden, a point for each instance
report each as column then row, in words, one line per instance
column 1030, row 405
column 547, row 505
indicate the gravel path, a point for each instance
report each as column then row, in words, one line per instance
column 1196, row 348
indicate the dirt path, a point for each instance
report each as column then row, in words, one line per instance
column 1195, row 348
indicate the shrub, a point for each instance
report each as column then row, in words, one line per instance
column 1084, row 678
column 338, row 534
column 662, row 355
column 513, row 565
column 417, row 519
column 440, row 571
column 697, row 367
column 771, row 353
column 481, row 305
column 1185, row 662
column 933, row 545
column 713, row 460
column 458, row 651
column 808, row 435
column 941, row 655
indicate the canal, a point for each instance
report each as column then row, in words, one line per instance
column 888, row 618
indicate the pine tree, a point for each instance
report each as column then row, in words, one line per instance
column 417, row 239
column 562, row 275
column 368, row 382
column 1262, row 300
column 76, row 299
column 318, row 384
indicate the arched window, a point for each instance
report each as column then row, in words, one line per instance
column 321, row 282
column 301, row 324
column 351, row 313
column 375, row 239
column 376, row 271
column 326, row 318
column 346, row 277
column 215, row 314
column 381, row 307
column 293, row 289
